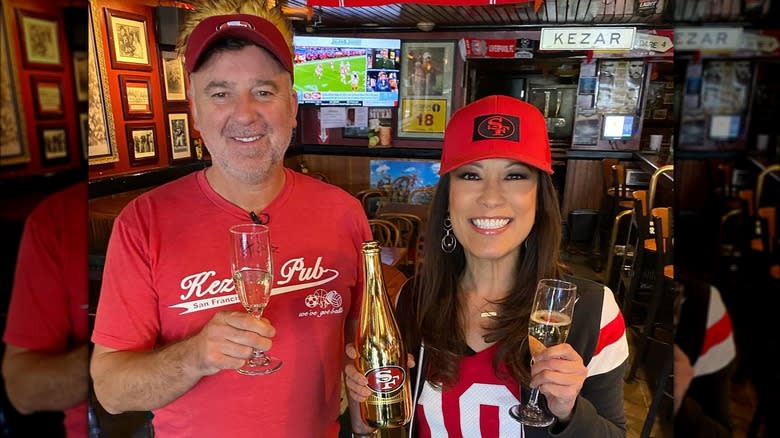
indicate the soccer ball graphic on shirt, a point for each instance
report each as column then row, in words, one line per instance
column 323, row 299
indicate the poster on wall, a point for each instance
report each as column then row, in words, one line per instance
column 179, row 136
column 725, row 86
column 173, row 76
column 13, row 140
column 101, row 138
column 40, row 40
column 426, row 91
column 619, row 85
column 128, row 41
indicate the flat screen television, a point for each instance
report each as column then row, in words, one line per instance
column 725, row 127
column 617, row 127
column 347, row 71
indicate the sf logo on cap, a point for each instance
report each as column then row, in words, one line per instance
column 496, row 126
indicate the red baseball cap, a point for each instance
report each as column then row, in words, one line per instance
column 241, row 26
column 496, row 127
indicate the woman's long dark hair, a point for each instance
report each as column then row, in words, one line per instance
column 436, row 311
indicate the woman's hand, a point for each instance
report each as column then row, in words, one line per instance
column 357, row 388
column 559, row 374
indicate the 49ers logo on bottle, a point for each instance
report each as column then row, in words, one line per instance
column 386, row 379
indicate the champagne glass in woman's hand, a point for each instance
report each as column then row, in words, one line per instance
column 550, row 321
column 250, row 262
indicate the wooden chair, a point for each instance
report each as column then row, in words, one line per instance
column 385, row 232
column 410, row 226
column 660, row 294
column 394, row 279
column 320, row 176
column 421, row 196
column 370, row 198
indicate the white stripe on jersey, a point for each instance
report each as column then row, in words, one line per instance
column 614, row 354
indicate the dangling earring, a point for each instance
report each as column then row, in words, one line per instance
column 448, row 241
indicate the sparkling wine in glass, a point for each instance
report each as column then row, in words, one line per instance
column 549, row 325
column 252, row 268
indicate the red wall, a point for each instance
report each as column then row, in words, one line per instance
column 35, row 165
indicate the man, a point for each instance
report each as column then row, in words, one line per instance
column 169, row 331
column 46, row 335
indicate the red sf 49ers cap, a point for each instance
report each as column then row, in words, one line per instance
column 496, row 127
column 240, row 26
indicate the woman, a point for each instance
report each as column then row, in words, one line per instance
column 465, row 318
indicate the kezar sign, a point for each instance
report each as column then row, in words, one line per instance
column 587, row 38
column 707, row 38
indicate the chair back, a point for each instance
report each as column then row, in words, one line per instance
column 411, row 227
column 385, row 232
column 370, row 198
column 663, row 170
column 394, row 279
column 421, row 196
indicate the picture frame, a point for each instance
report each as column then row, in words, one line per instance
column 40, row 40
column 13, row 141
column 136, row 92
column 128, row 40
column 101, row 135
column 47, row 97
column 81, row 75
column 53, row 141
column 425, row 95
column 173, row 78
column 179, row 136
column 142, row 144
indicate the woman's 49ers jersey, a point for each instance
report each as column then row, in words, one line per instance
column 478, row 404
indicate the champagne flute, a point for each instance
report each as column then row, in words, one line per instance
column 250, row 262
column 551, row 315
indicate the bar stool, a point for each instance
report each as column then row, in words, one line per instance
column 614, row 250
column 617, row 200
column 664, row 274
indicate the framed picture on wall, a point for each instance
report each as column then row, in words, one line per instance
column 141, row 143
column 128, row 41
column 54, row 144
column 179, row 136
column 47, row 97
column 136, row 97
column 40, row 40
column 13, row 141
column 173, row 76
column 426, row 88
column 81, row 75
column 101, row 135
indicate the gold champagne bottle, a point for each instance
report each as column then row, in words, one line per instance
column 381, row 353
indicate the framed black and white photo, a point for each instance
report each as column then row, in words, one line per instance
column 54, row 144
column 47, row 97
column 136, row 97
column 173, row 76
column 426, row 91
column 101, row 135
column 13, row 135
column 142, row 144
column 40, row 40
column 81, row 75
column 179, row 136
column 128, row 41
